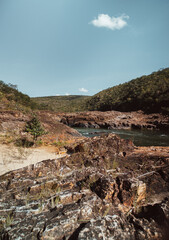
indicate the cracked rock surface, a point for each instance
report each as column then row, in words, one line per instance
column 106, row 188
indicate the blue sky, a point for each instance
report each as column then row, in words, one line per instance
column 81, row 46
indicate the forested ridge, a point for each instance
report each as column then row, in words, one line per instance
column 71, row 103
column 147, row 93
column 11, row 98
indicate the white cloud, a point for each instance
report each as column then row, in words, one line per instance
column 83, row 90
column 57, row 94
column 67, row 94
column 113, row 23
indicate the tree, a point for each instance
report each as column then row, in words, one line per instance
column 34, row 128
column 14, row 86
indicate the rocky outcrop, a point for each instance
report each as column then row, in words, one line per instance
column 106, row 188
column 12, row 123
column 115, row 120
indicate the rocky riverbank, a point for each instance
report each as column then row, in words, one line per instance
column 115, row 120
column 106, row 188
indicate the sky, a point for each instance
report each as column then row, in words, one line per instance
column 80, row 47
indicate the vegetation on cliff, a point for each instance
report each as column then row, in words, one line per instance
column 11, row 98
column 147, row 93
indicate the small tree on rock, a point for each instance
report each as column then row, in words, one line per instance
column 34, row 128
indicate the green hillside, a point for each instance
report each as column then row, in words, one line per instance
column 11, row 98
column 72, row 103
column 148, row 93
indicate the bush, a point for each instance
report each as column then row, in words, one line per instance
column 23, row 142
column 34, row 128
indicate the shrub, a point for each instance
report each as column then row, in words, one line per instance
column 23, row 142
column 34, row 128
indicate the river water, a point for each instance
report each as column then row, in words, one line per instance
column 139, row 137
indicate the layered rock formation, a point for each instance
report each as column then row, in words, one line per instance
column 115, row 120
column 104, row 189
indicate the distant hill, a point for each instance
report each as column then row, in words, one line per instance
column 11, row 98
column 148, row 93
column 72, row 103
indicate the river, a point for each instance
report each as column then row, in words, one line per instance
column 139, row 137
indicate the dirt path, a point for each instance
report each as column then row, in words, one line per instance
column 12, row 158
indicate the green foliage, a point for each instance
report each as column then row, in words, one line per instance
column 15, row 98
column 72, row 103
column 6, row 222
column 115, row 164
column 147, row 93
column 34, row 128
column 23, row 142
column 60, row 143
column 39, row 142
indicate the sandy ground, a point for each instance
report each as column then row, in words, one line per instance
column 12, row 158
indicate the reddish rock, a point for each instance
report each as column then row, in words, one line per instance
column 115, row 120
column 12, row 123
column 96, row 192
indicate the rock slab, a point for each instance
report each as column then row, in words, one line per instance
column 106, row 188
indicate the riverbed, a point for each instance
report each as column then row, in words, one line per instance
column 139, row 137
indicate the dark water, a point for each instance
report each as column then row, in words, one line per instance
column 139, row 137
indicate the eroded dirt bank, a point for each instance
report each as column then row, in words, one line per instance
column 106, row 189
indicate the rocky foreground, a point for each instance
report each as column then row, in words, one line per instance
column 106, row 188
column 116, row 120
